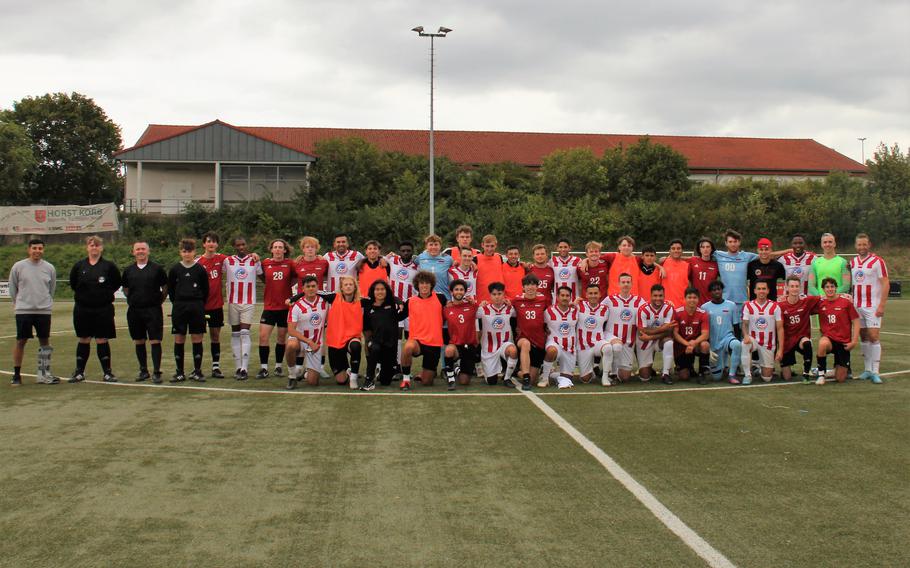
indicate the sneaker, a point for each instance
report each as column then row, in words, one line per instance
column 196, row 376
column 543, row 382
column 156, row 377
column 237, row 374
column 143, row 375
column 78, row 376
column 292, row 384
column 368, row 385
column 820, row 380
column 48, row 380
column 405, row 384
column 243, row 375
column 216, row 373
column 178, row 378
column 17, row 381
column 278, row 371
column 733, row 380
column 526, row 384
column 510, row 384
column 451, row 384
column 109, row 378
column 876, row 380
column 747, row 380
column 397, row 377
column 864, row 375
column 262, row 374
column 666, row 379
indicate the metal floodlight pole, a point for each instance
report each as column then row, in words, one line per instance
column 862, row 146
column 441, row 33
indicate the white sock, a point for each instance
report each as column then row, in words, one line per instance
column 546, row 368
column 400, row 344
column 667, row 350
column 867, row 357
column 235, row 348
column 245, row 344
column 606, row 361
column 510, row 367
column 745, row 359
column 292, row 371
column 875, row 353
column 617, row 349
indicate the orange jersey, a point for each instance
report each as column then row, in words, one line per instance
column 620, row 264
column 370, row 274
column 343, row 323
column 676, row 281
column 489, row 270
column 645, row 281
column 425, row 320
column 511, row 276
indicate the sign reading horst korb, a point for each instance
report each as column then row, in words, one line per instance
column 57, row 219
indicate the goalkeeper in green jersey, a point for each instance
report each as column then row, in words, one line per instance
column 829, row 265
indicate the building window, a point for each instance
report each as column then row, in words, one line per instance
column 247, row 183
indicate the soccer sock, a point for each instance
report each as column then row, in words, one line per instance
column 82, row 353
column 197, row 357
column 400, row 345
column 264, row 356
column 449, row 364
column 738, row 331
column 17, row 372
column 667, row 352
column 745, row 360
column 179, row 350
column 156, row 357
column 806, row 350
column 736, row 350
column 511, row 363
column 142, row 357
column 546, row 368
column 245, row 345
column 822, row 364
column 606, row 360
column 355, row 349
column 235, row 348
column 867, row 357
column 279, row 354
column 215, row 349
column 875, row 353
column 617, row 351
column 406, row 372
column 298, row 361
column 103, row 350
column 702, row 362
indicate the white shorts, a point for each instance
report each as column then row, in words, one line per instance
column 586, row 357
column 623, row 360
column 312, row 360
column 492, row 362
column 240, row 314
column 765, row 355
column 646, row 354
column 405, row 324
column 564, row 359
column 867, row 318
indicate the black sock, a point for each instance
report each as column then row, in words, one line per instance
column 355, row 349
column 702, row 362
column 178, row 356
column 17, row 372
column 299, row 361
column 82, row 353
column 264, row 355
column 449, row 365
column 806, row 350
column 142, row 357
column 279, row 353
column 215, row 349
column 738, row 331
column 405, row 369
column 197, row 357
column 103, row 350
column 822, row 363
column 156, row 357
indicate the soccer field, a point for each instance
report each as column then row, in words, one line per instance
column 247, row 474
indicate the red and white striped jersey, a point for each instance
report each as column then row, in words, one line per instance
column 866, row 277
column 649, row 316
column 798, row 265
column 309, row 319
column 401, row 277
column 340, row 265
column 469, row 276
column 591, row 323
column 241, row 279
column 565, row 272
column 562, row 327
column 763, row 322
column 495, row 328
column 623, row 316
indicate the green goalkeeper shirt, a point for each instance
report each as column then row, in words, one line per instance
column 829, row 268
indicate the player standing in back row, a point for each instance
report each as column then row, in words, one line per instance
column 278, row 275
column 241, row 270
column 342, row 262
column 871, row 285
column 188, row 288
column 213, row 263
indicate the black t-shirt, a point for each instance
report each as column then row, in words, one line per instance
column 382, row 321
column 188, row 284
column 757, row 271
column 143, row 285
column 94, row 284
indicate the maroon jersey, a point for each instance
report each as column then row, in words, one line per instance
column 213, row 266
column 279, row 278
column 316, row 267
column 835, row 318
column 690, row 326
column 462, row 322
column 703, row 273
column 529, row 313
column 595, row 276
column 796, row 319
column 546, row 276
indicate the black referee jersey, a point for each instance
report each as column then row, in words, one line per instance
column 142, row 286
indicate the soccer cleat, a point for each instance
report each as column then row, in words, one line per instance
column 292, row 384
column 820, row 380
column 543, row 382
column 733, row 380
column 109, row 378
column 526, row 384
column 605, row 381
column 397, row 377
column 665, row 379
column 77, row 377
column 17, row 381
column 451, row 384
column 196, row 376
column 143, row 375
column 864, row 375
column 48, row 380
column 262, row 374
column 156, row 377
column 510, row 384
column 807, row 380
column 216, row 373
column 876, row 380
column 405, row 384
column 243, row 375
column 278, row 371
column 747, row 380
column 368, row 385
column 491, row 380
column 237, row 374
column 178, row 378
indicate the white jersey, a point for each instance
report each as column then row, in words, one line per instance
column 591, row 324
column 649, row 316
column 623, row 317
column 495, row 328
column 401, row 277
column 866, row 277
column 798, row 266
column 340, row 265
column 469, row 276
column 562, row 327
column 762, row 320
column 241, row 278
column 309, row 319
column 565, row 273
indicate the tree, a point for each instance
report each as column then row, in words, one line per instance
column 653, row 172
column 16, row 163
column 889, row 172
column 74, row 142
column 573, row 173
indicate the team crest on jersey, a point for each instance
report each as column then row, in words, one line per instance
column 625, row 314
column 564, row 273
column 341, row 268
column 859, row 276
column 101, row 280
column 564, row 329
column 590, row 322
column 758, row 271
column 315, row 319
column 498, row 323
column 241, row 273
column 761, row 323
column 798, row 270
column 402, row 274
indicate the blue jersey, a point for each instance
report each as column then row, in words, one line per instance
column 721, row 318
column 438, row 265
column 733, row 273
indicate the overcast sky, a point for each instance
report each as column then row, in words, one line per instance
column 831, row 70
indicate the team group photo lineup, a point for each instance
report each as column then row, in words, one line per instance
column 560, row 317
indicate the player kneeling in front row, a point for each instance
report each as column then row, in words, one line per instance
column 763, row 332
column 188, row 289
column 592, row 339
column 726, row 349
column 306, row 327
column 795, row 311
column 623, row 318
column 495, row 337
column 381, row 314
column 425, row 313
column 691, row 338
column 463, row 351
column 531, row 331
column 655, row 334
column 562, row 330
column 839, row 323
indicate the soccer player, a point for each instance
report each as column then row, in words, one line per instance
column 424, row 310
column 381, row 314
column 678, row 274
column 241, row 270
column 839, row 323
column 464, row 348
column 94, row 280
column 343, row 331
column 566, row 268
column 466, row 271
column 309, row 263
column 32, row 283
column 595, row 271
column 765, row 269
column 495, row 337
column 763, row 332
column 489, row 267
column 732, row 265
column 543, row 271
column 372, row 267
column 278, row 275
column 562, row 334
column 513, row 271
column 795, row 310
column 433, row 261
column 691, row 339
column 829, row 265
column 306, row 332
column 871, row 285
column 724, row 344
column 592, row 338
column 403, row 269
column 798, row 262
column 342, row 261
column 464, row 234
column 649, row 272
column 655, row 334
column 704, row 269
column 188, row 288
column 213, row 262
column 532, row 331
column 623, row 262
column 621, row 325
column 145, row 287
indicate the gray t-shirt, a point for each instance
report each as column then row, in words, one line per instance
column 32, row 286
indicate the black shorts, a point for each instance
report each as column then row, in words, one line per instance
column 94, row 322
column 145, row 323
column 468, row 357
column 40, row 322
column 274, row 317
column 430, row 356
column 187, row 316
column 789, row 358
column 841, row 355
column 338, row 358
column 537, row 356
column 685, row 361
column 215, row 318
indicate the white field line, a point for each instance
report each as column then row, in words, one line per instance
column 700, row 546
column 62, row 332
column 894, row 333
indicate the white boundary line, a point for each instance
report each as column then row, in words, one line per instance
column 700, row 546
column 894, row 333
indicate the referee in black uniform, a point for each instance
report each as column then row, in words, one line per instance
column 145, row 287
column 94, row 281
column 188, row 288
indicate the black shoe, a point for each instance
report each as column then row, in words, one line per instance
column 197, row 376
column 17, row 381
column 262, row 374
column 143, row 375
column 451, row 385
column 397, row 377
column 216, row 373
column 77, row 377
column 178, row 378
column 368, row 385
column 292, row 384
column 109, row 378
column 492, row 380
column 278, row 371
column 526, row 384
column 665, row 379
column 156, row 377
column 510, row 384
column 243, row 375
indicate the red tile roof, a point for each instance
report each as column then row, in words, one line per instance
column 706, row 154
